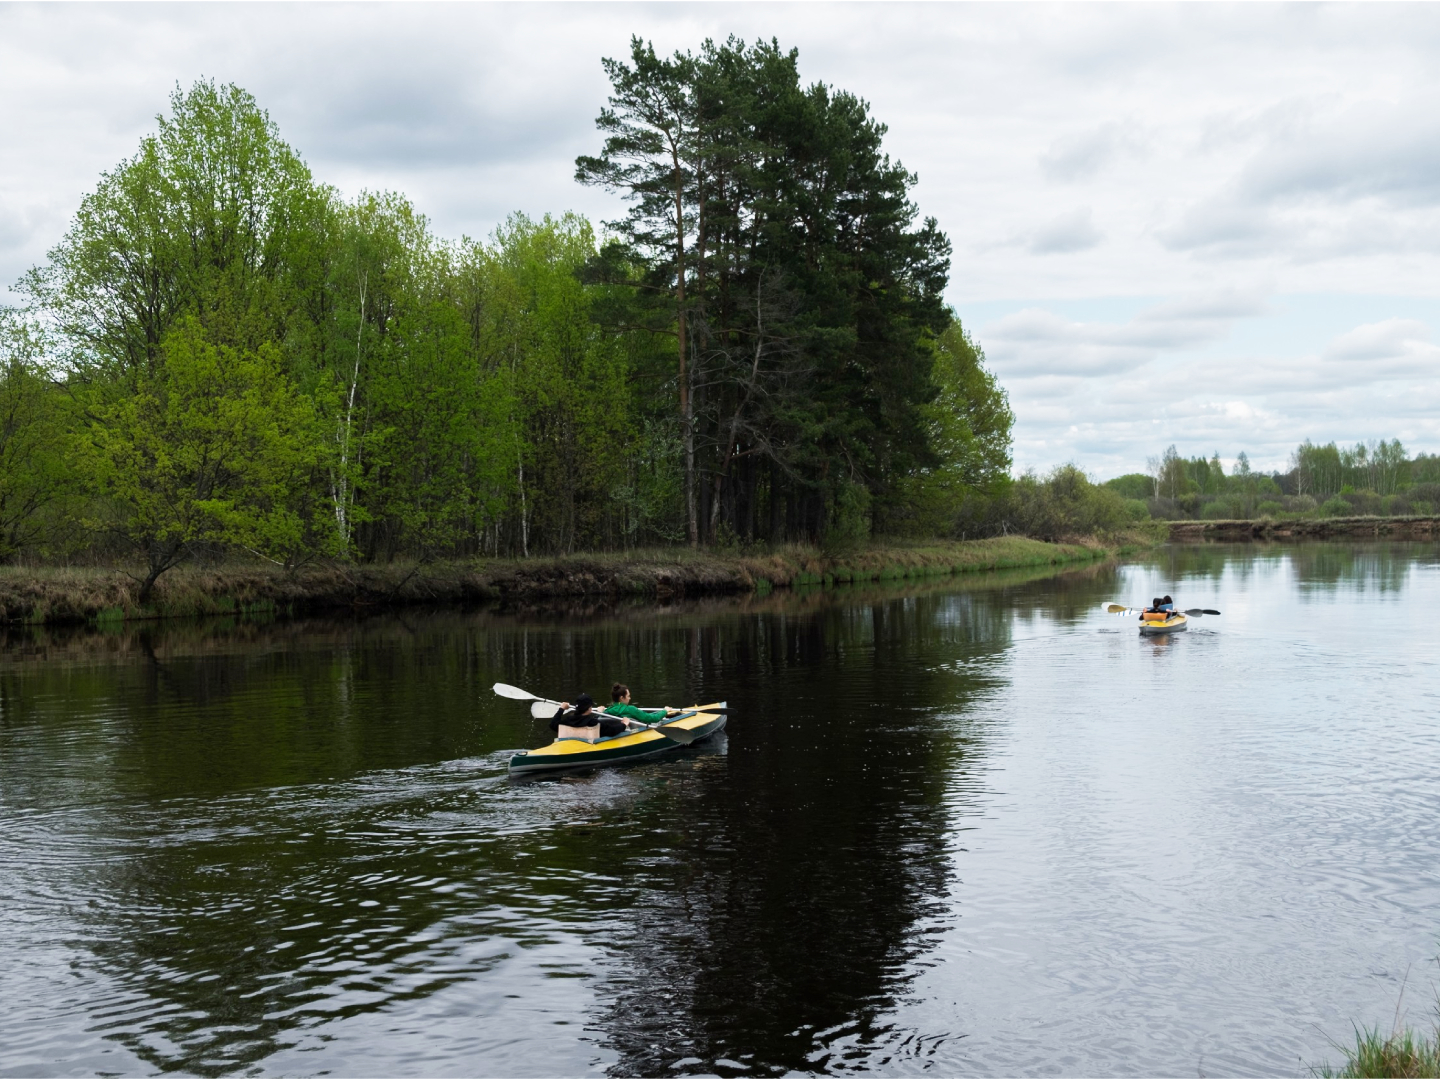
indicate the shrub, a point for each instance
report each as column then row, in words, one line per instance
column 1136, row 510
column 1428, row 494
column 1336, row 507
column 1132, row 486
column 1269, row 508
column 1164, row 509
column 1213, row 511
column 1299, row 504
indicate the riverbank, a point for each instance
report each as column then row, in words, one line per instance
column 61, row 595
column 1392, row 528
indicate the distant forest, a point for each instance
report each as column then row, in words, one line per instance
column 1377, row 478
column 224, row 355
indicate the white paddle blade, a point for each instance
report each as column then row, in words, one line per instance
column 543, row 710
column 684, row 736
column 512, row 692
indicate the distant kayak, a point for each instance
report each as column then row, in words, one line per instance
column 631, row 746
column 1175, row 623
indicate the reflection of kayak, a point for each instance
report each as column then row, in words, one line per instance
column 573, row 753
column 1151, row 625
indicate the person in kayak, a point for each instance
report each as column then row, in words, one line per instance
column 620, row 695
column 1166, row 604
column 581, row 721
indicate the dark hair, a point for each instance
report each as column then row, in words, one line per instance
column 584, row 703
column 618, row 691
column 1167, row 600
column 1156, row 602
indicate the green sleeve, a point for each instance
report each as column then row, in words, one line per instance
column 630, row 712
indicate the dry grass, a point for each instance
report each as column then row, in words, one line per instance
column 99, row 595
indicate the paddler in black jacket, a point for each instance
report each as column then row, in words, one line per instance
column 581, row 721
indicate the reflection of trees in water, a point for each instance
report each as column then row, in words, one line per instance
column 801, row 890
column 1368, row 567
column 1380, row 566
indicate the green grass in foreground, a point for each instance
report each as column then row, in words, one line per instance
column 1401, row 1053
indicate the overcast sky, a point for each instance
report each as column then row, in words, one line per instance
column 1217, row 227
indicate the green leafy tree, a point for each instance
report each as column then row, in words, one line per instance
column 37, row 482
column 212, row 446
column 215, row 217
column 969, row 424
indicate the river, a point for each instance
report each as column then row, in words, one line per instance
column 976, row 826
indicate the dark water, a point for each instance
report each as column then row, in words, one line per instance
column 974, row 827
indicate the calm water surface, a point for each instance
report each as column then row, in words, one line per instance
column 975, row 827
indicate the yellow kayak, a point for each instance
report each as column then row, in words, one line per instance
column 1151, row 625
column 631, row 746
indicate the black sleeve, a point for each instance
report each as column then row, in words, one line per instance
column 555, row 720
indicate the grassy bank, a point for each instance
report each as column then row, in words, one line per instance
column 1393, row 528
column 1402, row 1053
column 57, row 595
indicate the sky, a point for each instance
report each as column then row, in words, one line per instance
column 1216, row 227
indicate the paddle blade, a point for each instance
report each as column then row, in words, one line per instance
column 543, row 710
column 1116, row 609
column 1210, row 611
column 1194, row 612
column 684, row 736
column 513, row 692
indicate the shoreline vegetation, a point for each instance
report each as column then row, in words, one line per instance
column 1409, row 527
column 107, row 596
column 1404, row 1052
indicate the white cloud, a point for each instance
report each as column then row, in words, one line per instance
column 1036, row 341
column 1391, row 339
column 1067, row 233
column 1084, row 155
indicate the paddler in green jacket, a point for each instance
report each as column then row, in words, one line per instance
column 622, row 708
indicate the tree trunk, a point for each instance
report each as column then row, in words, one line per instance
column 687, row 417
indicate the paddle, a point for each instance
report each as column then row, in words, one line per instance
column 514, row 693
column 541, row 710
column 1120, row 609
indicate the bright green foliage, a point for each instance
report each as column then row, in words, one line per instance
column 215, row 217
column 569, row 381
column 211, row 446
column 1133, row 485
column 968, row 428
column 37, row 483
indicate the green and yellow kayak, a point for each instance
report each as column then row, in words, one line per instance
column 1151, row 625
column 574, row 753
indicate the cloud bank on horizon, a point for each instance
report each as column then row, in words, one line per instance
column 1213, row 227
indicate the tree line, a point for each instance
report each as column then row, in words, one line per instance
column 1375, row 477
column 224, row 354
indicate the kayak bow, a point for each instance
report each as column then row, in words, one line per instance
column 701, row 722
